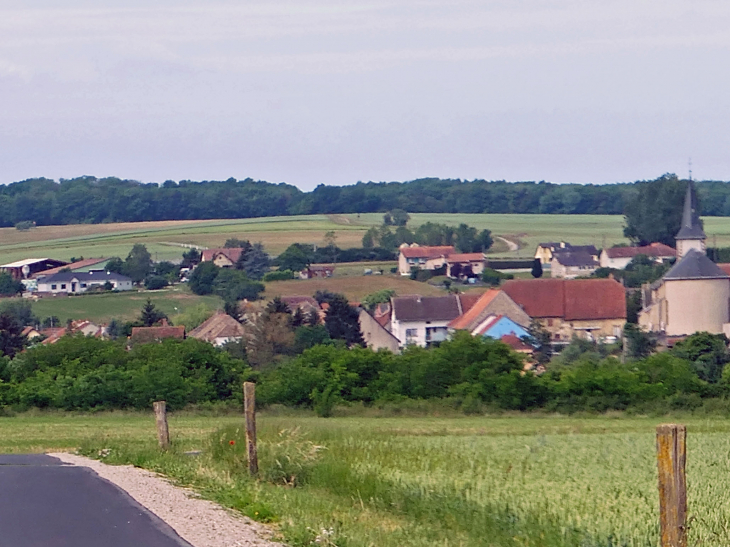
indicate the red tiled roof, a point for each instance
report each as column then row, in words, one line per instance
column 466, row 257
column 653, row 249
column 569, row 299
column 52, row 335
column 73, row 266
column 220, row 325
column 725, row 268
column 428, row 252
column 515, row 343
column 233, row 254
column 383, row 319
column 468, row 301
column 483, row 300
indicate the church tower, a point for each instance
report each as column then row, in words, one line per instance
column 690, row 235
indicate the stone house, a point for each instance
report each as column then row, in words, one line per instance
column 423, row 258
column 572, row 264
column 592, row 309
column 223, row 258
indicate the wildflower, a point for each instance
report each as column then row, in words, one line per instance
column 231, row 442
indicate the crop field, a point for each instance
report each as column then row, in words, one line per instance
column 538, row 481
column 165, row 239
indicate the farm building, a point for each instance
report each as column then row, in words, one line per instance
column 24, row 269
column 85, row 265
column 80, row 282
column 593, row 309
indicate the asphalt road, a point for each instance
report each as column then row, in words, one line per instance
column 44, row 503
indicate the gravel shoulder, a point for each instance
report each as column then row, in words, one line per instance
column 200, row 522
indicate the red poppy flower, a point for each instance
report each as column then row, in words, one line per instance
column 231, row 442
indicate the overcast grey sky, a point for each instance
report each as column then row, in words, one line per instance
column 312, row 91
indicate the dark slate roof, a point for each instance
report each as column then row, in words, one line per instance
column 579, row 258
column 691, row 224
column 63, row 277
column 427, row 308
column 695, row 265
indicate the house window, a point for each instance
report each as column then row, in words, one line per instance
column 63, row 285
column 54, row 287
column 83, row 285
column 411, row 335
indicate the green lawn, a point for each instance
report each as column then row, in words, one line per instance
column 538, row 481
column 125, row 305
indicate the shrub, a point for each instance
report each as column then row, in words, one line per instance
column 279, row 275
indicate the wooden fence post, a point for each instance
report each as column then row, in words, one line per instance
column 249, row 408
column 671, row 459
column 163, row 433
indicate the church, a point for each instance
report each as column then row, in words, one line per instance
column 694, row 295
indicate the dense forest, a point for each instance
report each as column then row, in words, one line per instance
column 92, row 200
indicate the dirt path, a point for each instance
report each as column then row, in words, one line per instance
column 511, row 245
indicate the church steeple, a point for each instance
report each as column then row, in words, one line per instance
column 691, row 235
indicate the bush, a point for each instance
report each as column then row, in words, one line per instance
column 493, row 277
column 155, row 282
column 279, row 275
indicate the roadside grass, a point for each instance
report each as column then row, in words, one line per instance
column 125, row 306
column 537, row 480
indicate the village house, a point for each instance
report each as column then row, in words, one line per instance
column 80, row 282
column 545, row 251
column 592, row 309
column 424, row 320
column 493, row 303
column 223, row 258
column 694, row 295
column 317, row 271
column 218, row 330
column 375, row 335
column 465, row 264
column 619, row 257
column 422, row 258
column 572, row 264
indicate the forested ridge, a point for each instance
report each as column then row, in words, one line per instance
column 94, row 200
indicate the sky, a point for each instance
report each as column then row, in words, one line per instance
column 314, row 92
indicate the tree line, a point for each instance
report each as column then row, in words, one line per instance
column 95, row 200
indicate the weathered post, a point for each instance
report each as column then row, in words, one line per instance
column 163, row 433
column 249, row 408
column 671, row 460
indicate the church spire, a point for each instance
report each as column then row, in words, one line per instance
column 691, row 234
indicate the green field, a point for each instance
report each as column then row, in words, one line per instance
column 409, row 481
column 165, row 239
column 125, row 306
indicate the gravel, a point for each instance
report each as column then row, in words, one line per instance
column 201, row 523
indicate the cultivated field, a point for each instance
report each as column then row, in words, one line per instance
column 164, row 239
column 404, row 481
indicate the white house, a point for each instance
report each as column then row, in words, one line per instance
column 423, row 320
column 423, row 258
column 80, row 282
column 619, row 257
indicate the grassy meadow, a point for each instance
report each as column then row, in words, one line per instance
column 417, row 481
